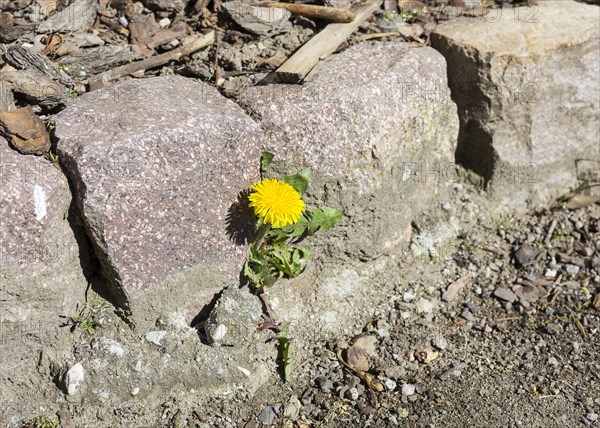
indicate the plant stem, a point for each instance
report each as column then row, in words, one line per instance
column 265, row 299
column 270, row 323
column 261, row 234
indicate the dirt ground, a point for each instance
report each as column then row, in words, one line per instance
column 515, row 345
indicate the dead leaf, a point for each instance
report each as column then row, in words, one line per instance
column 368, row 343
column 580, row 201
column 25, row 131
column 596, row 302
column 373, row 382
column 357, row 358
column 426, row 355
column 583, row 196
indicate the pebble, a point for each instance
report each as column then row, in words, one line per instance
column 592, row 417
column 164, row 23
column 572, row 269
column 505, row 294
column 390, row 385
column 408, row 389
column 402, row 412
column 267, row 416
column 424, row 306
column 352, row 394
column 466, row 314
column 408, row 296
column 74, row 378
column 440, row 343
column 550, row 273
column 553, row 361
column 324, row 384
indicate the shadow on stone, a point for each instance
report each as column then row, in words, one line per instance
column 240, row 221
column 474, row 150
column 200, row 319
column 90, row 263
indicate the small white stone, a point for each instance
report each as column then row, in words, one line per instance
column 572, row 269
column 439, row 342
column 156, row 336
column 408, row 296
column 112, row 347
column 353, row 392
column 164, row 23
column 39, row 200
column 408, row 389
column 390, row 385
column 424, row 306
column 550, row 273
column 220, row 332
column 74, row 378
column 135, row 391
column 243, row 370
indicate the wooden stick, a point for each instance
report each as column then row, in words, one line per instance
column 329, row 14
column 152, row 62
column 297, row 67
column 376, row 36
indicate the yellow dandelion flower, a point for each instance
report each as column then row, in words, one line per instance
column 277, row 202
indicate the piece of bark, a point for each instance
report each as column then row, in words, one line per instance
column 14, row 5
column 11, row 29
column 23, row 59
column 79, row 16
column 323, row 13
column 35, row 87
column 153, row 62
column 7, row 100
column 299, row 65
column 142, row 28
column 100, row 59
column 114, row 25
column 258, row 20
column 178, row 32
column 25, row 131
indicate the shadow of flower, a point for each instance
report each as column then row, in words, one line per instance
column 241, row 221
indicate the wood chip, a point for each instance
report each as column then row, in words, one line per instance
column 80, row 15
column 35, row 87
column 565, row 258
column 7, row 101
column 23, row 59
column 153, row 62
column 299, row 65
column 97, row 60
column 453, row 289
column 323, row 13
column 25, row 131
